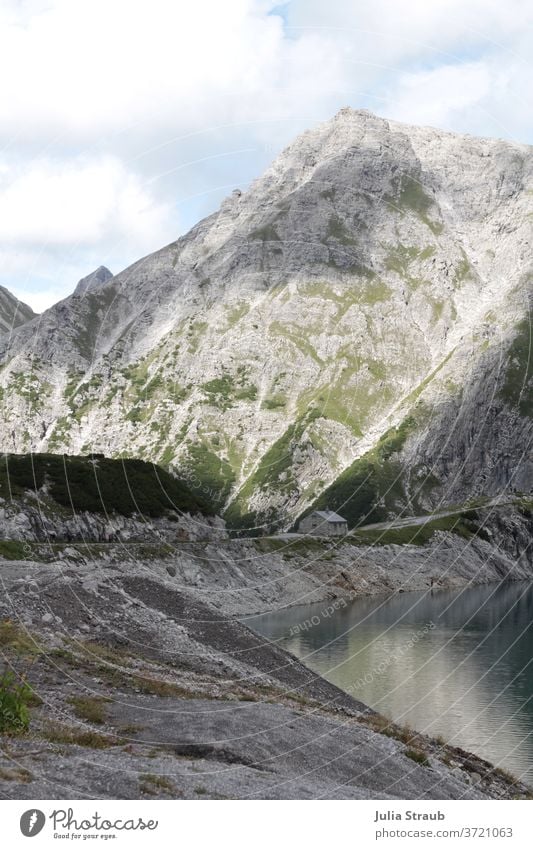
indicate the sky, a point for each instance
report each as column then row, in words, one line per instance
column 123, row 122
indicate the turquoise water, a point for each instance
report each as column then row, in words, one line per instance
column 455, row 663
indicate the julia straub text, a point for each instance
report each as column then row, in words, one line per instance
column 388, row 816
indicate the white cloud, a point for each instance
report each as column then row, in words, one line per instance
column 392, row 32
column 39, row 301
column 436, row 97
column 59, row 219
column 84, row 68
column 76, row 202
column 109, row 100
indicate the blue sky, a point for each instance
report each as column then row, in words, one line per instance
column 124, row 123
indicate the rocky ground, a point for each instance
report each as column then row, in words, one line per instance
column 144, row 687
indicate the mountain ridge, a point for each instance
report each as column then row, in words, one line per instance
column 13, row 313
column 269, row 348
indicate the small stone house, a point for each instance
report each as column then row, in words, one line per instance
column 325, row 523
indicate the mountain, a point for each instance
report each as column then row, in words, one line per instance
column 13, row 312
column 93, row 281
column 352, row 330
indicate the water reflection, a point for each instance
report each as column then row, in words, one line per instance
column 457, row 663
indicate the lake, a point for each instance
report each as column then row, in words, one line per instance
column 452, row 663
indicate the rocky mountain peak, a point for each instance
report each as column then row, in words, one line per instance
column 93, row 281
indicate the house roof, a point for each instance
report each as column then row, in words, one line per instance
column 329, row 515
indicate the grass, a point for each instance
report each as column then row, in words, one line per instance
column 267, row 233
column 90, row 708
column 114, row 666
column 236, row 313
column 297, row 336
column 220, row 391
column 214, row 472
column 417, row 756
column 274, row 402
column 130, row 728
column 157, row 687
column 381, row 725
column 151, row 784
column 460, row 524
column 14, row 698
column 224, row 391
column 410, row 194
column 55, row 732
column 366, row 291
column 337, row 230
column 17, row 774
column 463, row 270
column 14, row 637
column 14, row 550
column 506, row 775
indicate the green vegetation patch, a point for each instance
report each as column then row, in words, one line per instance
column 214, row 474
column 337, row 230
column 154, row 784
column 463, row 524
column 418, row 756
column 274, row 402
column 517, row 389
column 236, row 313
column 367, row 290
column 274, row 471
column 400, row 258
column 90, row 708
column 224, row 391
column 63, row 734
column 15, row 550
column 98, row 484
column 410, row 194
column 15, row 638
column 15, row 697
column 372, row 486
column 297, row 335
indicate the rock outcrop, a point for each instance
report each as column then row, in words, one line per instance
column 13, row 313
column 93, row 281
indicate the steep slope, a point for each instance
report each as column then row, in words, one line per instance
column 355, row 288
column 13, row 312
column 467, row 435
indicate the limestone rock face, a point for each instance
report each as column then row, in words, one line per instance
column 372, row 285
column 13, row 312
column 27, row 523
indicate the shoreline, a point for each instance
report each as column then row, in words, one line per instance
column 137, row 676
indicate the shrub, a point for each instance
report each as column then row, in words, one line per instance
column 14, row 700
column 99, row 484
column 417, row 756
